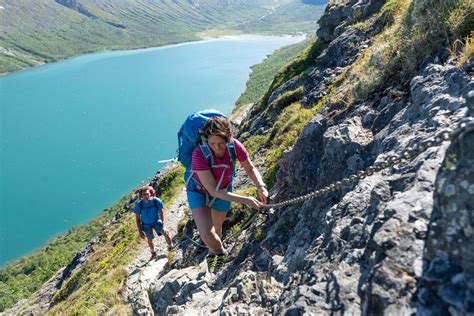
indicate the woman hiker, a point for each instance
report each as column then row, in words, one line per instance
column 209, row 191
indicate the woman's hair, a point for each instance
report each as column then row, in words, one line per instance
column 217, row 126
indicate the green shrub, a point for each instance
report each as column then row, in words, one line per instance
column 260, row 234
column 263, row 73
column 171, row 184
column 255, row 143
column 235, row 229
column 285, row 131
column 304, row 60
column 287, row 98
column 182, row 223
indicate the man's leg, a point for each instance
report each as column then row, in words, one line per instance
column 152, row 248
column 148, row 230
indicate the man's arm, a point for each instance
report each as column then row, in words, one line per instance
column 139, row 225
column 162, row 217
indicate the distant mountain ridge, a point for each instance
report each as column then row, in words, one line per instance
column 35, row 32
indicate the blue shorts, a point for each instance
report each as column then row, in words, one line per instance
column 197, row 199
column 148, row 229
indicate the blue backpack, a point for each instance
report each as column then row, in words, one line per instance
column 189, row 138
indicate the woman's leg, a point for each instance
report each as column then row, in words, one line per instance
column 218, row 218
column 203, row 219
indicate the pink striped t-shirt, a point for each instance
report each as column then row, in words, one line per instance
column 200, row 163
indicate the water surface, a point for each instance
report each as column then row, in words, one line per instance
column 77, row 135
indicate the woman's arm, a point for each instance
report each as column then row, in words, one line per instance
column 254, row 174
column 209, row 183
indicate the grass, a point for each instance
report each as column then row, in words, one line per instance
column 240, row 213
column 463, row 50
column 218, row 33
column 255, row 143
column 235, row 229
column 56, row 39
column 284, row 134
column 263, row 73
column 418, row 31
column 286, row 99
column 290, row 121
column 171, row 184
column 304, row 60
column 170, row 256
column 182, row 222
column 260, row 234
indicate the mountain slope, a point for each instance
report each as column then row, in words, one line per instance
column 396, row 242
column 40, row 31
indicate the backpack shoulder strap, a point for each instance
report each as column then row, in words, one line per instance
column 206, row 151
column 232, row 152
column 155, row 203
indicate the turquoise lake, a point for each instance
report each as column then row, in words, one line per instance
column 79, row 134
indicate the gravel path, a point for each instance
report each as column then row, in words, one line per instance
column 142, row 272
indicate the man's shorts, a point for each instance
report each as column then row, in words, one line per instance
column 197, row 199
column 148, row 229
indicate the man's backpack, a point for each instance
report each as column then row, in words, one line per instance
column 152, row 194
column 140, row 204
column 189, row 138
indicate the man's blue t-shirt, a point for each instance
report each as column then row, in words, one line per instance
column 149, row 213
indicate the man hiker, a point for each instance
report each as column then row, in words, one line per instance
column 149, row 216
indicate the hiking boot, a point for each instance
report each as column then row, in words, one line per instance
column 211, row 262
column 219, row 262
column 170, row 247
column 153, row 255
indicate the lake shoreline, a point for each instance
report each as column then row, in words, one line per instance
column 201, row 39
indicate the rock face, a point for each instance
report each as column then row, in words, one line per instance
column 340, row 14
column 447, row 283
column 394, row 243
column 362, row 250
column 397, row 242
